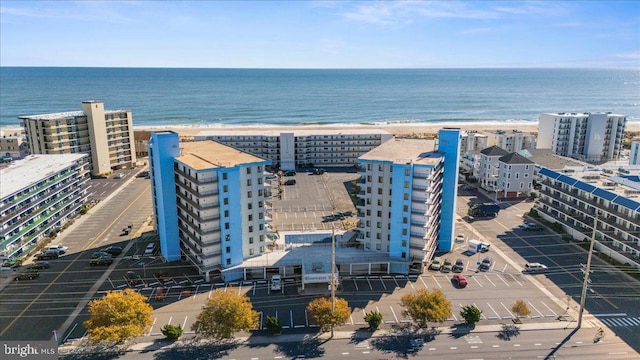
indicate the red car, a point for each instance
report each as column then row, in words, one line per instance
column 460, row 280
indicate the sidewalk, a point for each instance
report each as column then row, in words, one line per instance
column 357, row 334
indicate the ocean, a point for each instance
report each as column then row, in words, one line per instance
column 262, row 97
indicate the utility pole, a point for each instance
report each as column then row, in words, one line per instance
column 333, row 277
column 586, row 281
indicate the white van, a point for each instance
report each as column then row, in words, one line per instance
column 276, row 283
column 57, row 248
column 535, row 268
column 150, row 249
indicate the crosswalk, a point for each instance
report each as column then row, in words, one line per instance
column 616, row 321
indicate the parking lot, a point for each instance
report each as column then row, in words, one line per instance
column 315, row 202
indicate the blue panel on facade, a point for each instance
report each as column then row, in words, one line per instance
column 449, row 145
column 550, row 173
column 567, row 180
column 607, row 195
column 397, row 214
column 164, row 146
column 235, row 227
column 626, row 202
column 584, row 186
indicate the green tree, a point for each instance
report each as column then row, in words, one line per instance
column 471, row 314
column 520, row 308
column 425, row 306
column 320, row 311
column 118, row 316
column 374, row 319
column 172, row 332
column 224, row 314
column 273, row 324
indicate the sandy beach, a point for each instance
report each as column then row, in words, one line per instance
column 396, row 129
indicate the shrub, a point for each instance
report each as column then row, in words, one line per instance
column 471, row 314
column 172, row 332
column 374, row 319
column 273, row 324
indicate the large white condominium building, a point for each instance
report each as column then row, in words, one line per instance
column 210, row 203
column 321, row 148
column 634, row 154
column 407, row 198
column 591, row 137
column 37, row 195
column 106, row 135
column 574, row 197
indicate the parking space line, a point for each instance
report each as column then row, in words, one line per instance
column 151, row 328
column 184, row 323
column 306, row 318
column 291, row 318
column 394, row 313
column 170, row 318
column 423, row 283
column 488, row 279
column 538, row 311
column 370, row 287
column 553, row 312
column 436, row 280
column 210, row 291
column 509, row 311
column 356, row 284
column 500, row 277
column 481, row 312
column 516, row 280
column 351, row 318
column 476, row 279
column 261, row 320
column 505, row 268
column 383, row 285
column 396, row 281
column 365, row 314
column 494, row 311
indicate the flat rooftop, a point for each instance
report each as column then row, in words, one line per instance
column 202, row 155
column 65, row 115
column 405, row 151
column 32, row 169
column 607, row 182
column 296, row 132
column 549, row 159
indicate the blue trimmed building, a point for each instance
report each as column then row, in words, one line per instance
column 210, row 203
column 408, row 199
column 575, row 196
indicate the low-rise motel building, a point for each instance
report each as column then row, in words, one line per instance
column 39, row 194
column 578, row 197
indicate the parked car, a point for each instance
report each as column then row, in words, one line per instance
column 533, row 268
column 289, row 173
column 99, row 254
column 59, row 248
column 460, row 238
column 460, row 280
column 468, row 187
column 290, row 182
column 113, row 250
column 39, row 265
column 446, row 266
column 436, row 264
column 132, row 278
column 143, row 174
column 27, row 275
column 163, row 276
column 103, row 260
column 485, row 265
column 459, row 266
column 47, row 255
column 531, row 227
column 119, row 176
column 151, row 248
column 13, row 263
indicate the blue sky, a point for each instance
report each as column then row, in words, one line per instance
column 321, row 34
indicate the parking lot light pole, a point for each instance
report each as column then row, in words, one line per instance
column 585, row 282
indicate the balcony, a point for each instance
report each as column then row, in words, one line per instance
column 212, row 231
column 193, row 179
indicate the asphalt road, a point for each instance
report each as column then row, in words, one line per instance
column 32, row 310
column 549, row 344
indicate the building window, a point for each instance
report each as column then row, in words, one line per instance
column 407, row 172
column 225, row 201
column 378, row 236
column 224, row 176
column 404, row 232
column 226, row 213
column 251, row 240
column 228, row 250
column 249, row 194
column 405, row 208
column 379, row 202
column 406, row 184
column 250, row 251
column 250, row 229
column 227, row 237
column 249, row 206
column 248, row 170
column 404, row 220
column 248, row 182
column 226, row 226
column 261, row 238
column 225, row 188
column 228, row 261
column 406, row 196
column 378, row 247
column 250, row 217
column 380, row 191
column 379, row 225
